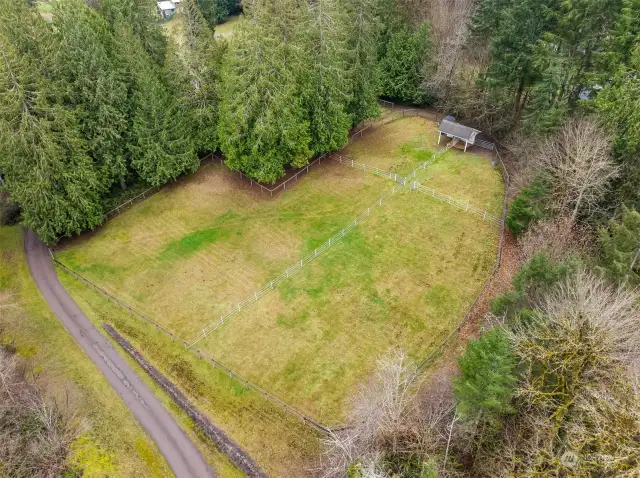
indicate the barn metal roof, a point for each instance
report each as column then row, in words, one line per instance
column 458, row 130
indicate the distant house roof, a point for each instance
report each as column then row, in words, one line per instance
column 458, row 130
column 166, row 5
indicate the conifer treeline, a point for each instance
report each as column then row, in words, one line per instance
column 98, row 99
column 90, row 103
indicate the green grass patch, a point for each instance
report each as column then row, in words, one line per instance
column 192, row 243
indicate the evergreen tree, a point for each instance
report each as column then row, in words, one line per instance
column 514, row 28
column 194, row 73
column 568, row 57
column 263, row 123
column 401, row 68
column 325, row 81
column 487, row 381
column 620, row 245
column 162, row 146
column 142, row 17
column 42, row 155
column 362, row 41
column 618, row 103
column 90, row 82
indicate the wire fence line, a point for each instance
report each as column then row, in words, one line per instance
column 212, row 361
column 127, row 204
column 283, row 185
column 116, row 211
column 431, row 357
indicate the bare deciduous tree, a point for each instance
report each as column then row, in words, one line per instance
column 393, row 417
column 37, row 425
column 376, row 418
column 557, row 238
column 449, row 39
column 577, row 163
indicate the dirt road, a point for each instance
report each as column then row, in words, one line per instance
column 181, row 454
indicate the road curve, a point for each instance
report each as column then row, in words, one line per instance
column 181, row 454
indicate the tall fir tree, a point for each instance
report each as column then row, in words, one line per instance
column 326, row 84
column 161, row 147
column 514, row 28
column 568, row 57
column 42, row 154
column 90, row 82
column 263, row 122
column 402, row 68
column 362, row 41
column 193, row 68
column 141, row 16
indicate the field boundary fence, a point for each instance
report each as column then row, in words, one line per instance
column 283, row 185
column 212, row 361
column 221, row 440
column 116, row 211
column 432, row 356
column 383, row 120
column 465, row 206
column 369, row 169
column 134, row 200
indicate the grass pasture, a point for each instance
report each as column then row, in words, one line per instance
column 191, row 252
column 404, row 277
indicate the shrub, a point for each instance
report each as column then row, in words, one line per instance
column 529, row 206
column 535, row 276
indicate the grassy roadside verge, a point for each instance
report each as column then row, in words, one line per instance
column 282, row 445
column 115, row 445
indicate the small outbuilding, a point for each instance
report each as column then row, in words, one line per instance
column 166, row 8
column 457, row 131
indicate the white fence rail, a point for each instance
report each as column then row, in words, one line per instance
column 486, row 216
column 290, row 270
column 370, row 169
column 300, row 264
column 465, row 206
